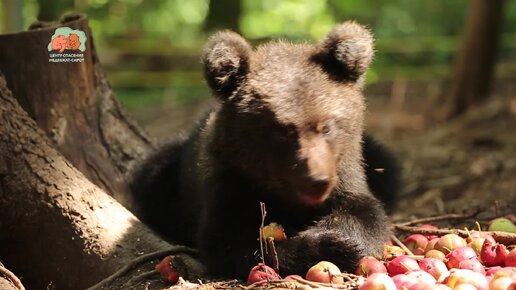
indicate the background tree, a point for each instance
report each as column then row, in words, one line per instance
column 473, row 70
column 223, row 14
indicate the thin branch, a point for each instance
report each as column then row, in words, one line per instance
column 401, row 245
column 142, row 259
column 452, row 216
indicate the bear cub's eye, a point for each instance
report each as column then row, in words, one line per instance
column 325, row 129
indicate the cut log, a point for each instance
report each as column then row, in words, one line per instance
column 58, row 230
column 74, row 104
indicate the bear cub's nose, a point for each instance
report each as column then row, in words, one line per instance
column 318, row 185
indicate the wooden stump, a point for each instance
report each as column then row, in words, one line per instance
column 74, row 104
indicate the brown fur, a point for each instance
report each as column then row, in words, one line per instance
column 287, row 131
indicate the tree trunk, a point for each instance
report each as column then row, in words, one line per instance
column 474, row 65
column 74, row 104
column 223, row 14
column 57, row 228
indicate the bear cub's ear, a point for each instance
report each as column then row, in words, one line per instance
column 346, row 51
column 226, row 62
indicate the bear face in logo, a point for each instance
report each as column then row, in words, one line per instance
column 73, row 42
column 59, row 43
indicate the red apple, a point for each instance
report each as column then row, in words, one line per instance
column 369, row 265
column 416, row 243
column 493, row 254
column 422, row 277
column 496, row 272
column 325, row 272
column 458, row 255
column 403, row 281
column 261, row 272
column 510, row 260
column 167, row 273
column 402, row 264
column 378, row 281
column 434, row 267
column 449, row 242
column 473, row 265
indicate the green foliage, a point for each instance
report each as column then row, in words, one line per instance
column 154, row 45
column 292, row 19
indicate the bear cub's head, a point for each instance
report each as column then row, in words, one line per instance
column 291, row 115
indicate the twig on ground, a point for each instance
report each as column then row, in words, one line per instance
column 142, row 259
column 401, row 245
column 452, row 216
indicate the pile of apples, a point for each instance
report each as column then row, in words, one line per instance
column 446, row 262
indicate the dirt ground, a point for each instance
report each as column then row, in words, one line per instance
column 460, row 165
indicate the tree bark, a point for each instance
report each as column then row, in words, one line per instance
column 474, row 64
column 57, row 229
column 74, row 104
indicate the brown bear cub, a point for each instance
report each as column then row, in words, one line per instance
column 287, row 131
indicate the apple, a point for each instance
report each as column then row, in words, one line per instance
column 449, row 242
column 401, row 265
column 463, row 276
column 510, row 260
column 275, row 231
column 261, row 272
column 434, row 267
column 493, row 254
column 369, row 265
column 502, row 283
column 458, row 255
column 473, row 265
column 464, row 286
column 378, row 281
column 503, row 225
column 496, row 272
column 422, row 277
column 416, row 243
column 436, row 254
column 431, row 244
column 167, row 273
column 403, row 281
column 325, row 272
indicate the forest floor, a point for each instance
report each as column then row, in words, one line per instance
column 455, row 166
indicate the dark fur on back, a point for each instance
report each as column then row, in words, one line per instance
column 287, row 131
